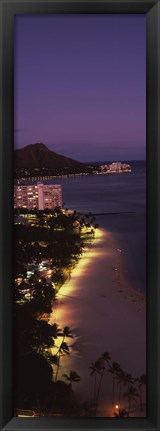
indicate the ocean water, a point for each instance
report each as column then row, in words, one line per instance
column 124, row 194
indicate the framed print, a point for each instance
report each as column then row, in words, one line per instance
column 79, row 215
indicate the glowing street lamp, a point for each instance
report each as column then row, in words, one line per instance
column 117, row 407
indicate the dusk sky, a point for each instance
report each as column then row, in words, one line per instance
column 80, row 85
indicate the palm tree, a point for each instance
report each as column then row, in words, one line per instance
column 41, row 336
column 126, row 380
column 43, row 297
column 121, row 414
column 132, row 395
column 114, row 369
column 53, row 359
column 95, row 369
column 141, row 381
column 63, row 348
column 105, row 357
column 120, row 378
column 67, row 333
column 73, row 377
column 56, row 331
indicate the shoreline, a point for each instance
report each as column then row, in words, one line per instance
column 106, row 314
column 67, row 176
column 124, row 279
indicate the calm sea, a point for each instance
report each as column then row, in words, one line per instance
column 124, row 194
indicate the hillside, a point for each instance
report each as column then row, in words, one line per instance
column 40, row 157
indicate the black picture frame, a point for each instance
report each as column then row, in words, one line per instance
column 9, row 8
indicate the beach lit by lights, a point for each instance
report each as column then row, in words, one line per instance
column 69, row 291
column 69, row 288
column 96, row 302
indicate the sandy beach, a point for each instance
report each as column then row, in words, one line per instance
column 105, row 313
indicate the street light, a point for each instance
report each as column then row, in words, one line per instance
column 117, row 407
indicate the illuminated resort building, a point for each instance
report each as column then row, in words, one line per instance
column 115, row 167
column 38, row 196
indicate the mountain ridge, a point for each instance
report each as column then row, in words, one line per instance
column 39, row 156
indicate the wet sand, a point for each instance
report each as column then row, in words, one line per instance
column 105, row 313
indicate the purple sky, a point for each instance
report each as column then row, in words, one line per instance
column 80, row 85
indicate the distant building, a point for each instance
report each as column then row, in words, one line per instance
column 115, row 167
column 119, row 167
column 38, row 196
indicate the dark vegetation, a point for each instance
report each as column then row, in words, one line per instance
column 124, row 385
column 46, row 251
column 55, row 238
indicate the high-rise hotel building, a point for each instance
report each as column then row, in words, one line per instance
column 39, row 196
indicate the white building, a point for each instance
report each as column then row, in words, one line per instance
column 39, row 196
column 119, row 167
column 115, row 167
